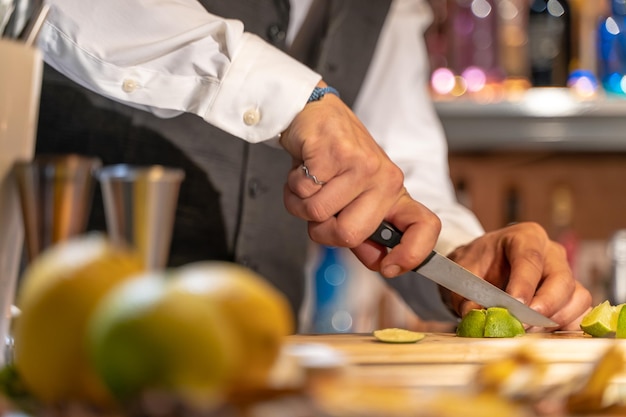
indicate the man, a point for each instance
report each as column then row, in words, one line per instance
column 177, row 61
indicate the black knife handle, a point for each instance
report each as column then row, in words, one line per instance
column 387, row 235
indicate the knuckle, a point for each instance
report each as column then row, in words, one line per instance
column 436, row 223
column 347, row 237
column 316, row 212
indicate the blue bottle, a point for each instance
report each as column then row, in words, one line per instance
column 330, row 291
column 612, row 50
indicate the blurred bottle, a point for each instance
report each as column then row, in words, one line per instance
column 549, row 42
column 474, row 39
column 330, row 284
column 436, row 36
column 512, row 206
column 513, row 31
column 617, row 285
column 562, row 223
column 612, row 49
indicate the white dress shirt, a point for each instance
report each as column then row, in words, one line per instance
column 170, row 57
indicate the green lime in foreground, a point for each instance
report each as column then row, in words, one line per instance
column 495, row 322
column 394, row 335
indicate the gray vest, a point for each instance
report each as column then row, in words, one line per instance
column 231, row 203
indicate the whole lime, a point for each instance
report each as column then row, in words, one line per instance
column 145, row 337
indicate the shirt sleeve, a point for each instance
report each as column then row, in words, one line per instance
column 172, row 56
column 395, row 105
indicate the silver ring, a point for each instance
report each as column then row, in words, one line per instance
column 309, row 175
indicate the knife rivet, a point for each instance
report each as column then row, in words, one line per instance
column 386, row 234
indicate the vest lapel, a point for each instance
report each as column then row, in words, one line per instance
column 338, row 39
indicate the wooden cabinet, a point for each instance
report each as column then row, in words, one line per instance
column 583, row 190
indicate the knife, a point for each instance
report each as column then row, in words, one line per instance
column 454, row 277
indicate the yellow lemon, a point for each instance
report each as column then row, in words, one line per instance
column 144, row 337
column 259, row 314
column 58, row 292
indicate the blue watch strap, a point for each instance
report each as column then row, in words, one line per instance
column 319, row 92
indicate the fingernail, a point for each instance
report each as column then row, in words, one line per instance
column 391, row 270
column 521, row 300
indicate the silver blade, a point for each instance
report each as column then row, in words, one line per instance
column 457, row 279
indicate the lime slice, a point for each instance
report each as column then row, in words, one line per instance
column 394, row 335
column 473, row 324
column 601, row 321
column 500, row 323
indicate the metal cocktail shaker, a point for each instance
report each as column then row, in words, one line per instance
column 56, row 193
column 140, row 205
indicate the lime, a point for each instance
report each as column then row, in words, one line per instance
column 395, row 335
column 492, row 322
column 59, row 291
column 473, row 324
column 501, row 323
column 601, row 321
column 199, row 331
column 620, row 331
column 145, row 338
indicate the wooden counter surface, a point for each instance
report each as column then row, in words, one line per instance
column 444, row 360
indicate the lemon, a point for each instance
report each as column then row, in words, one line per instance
column 493, row 322
column 473, row 324
column 395, row 335
column 260, row 315
column 58, row 292
column 602, row 320
column 144, row 337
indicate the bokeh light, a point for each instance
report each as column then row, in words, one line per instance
column 442, row 81
column 583, row 83
column 475, row 79
column 481, row 8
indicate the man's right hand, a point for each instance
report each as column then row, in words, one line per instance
column 361, row 187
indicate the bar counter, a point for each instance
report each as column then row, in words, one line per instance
column 445, row 363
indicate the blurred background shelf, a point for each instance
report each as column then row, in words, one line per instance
column 543, row 119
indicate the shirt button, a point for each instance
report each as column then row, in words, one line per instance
column 276, row 34
column 129, row 85
column 251, row 117
column 256, row 188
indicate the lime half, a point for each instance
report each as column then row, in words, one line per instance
column 394, row 335
column 501, row 323
column 473, row 324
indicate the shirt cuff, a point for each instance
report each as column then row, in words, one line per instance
column 262, row 93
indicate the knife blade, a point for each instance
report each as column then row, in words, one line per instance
column 454, row 277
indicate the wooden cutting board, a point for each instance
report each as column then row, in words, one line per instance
column 443, row 359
